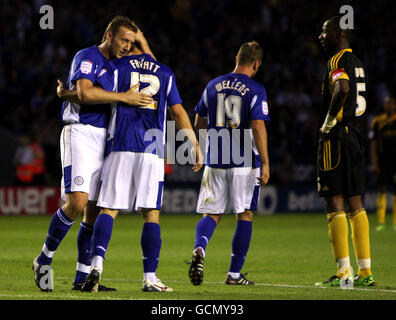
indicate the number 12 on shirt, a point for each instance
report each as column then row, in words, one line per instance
column 152, row 88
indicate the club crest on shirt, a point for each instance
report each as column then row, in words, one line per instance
column 78, row 180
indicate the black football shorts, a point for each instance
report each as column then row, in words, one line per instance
column 341, row 168
column 387, row 175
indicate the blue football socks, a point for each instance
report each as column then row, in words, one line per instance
column 84, row 247
column 102, row 231
column 204, row 231
column 151, row 246
column 240, row 245
column 59, row 226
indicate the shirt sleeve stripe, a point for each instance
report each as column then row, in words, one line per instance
column 169, row 86
column 206, row 98
column 253, row 101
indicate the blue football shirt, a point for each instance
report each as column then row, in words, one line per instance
column 89, row 64
column 230, row 102
column 142, row 128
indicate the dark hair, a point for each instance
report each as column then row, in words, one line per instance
column 116, row 23
column 249, row 52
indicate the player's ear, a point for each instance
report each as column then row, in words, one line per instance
column 346, row 34
column 109, row 36
column 340, row 34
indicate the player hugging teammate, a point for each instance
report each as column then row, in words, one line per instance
column 85, row 117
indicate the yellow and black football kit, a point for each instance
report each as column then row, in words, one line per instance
column 341, row 159
column 341, row 164
column 383, row 130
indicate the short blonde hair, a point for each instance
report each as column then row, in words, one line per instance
column 249, row 52
column 116, row 23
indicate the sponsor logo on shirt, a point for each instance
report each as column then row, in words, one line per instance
column 265, row 107
column 86, row 67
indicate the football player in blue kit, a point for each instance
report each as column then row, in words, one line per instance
column 84, row 114
column 133, row 172
column 233, row 107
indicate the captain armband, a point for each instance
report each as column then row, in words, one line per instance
column 337, row 74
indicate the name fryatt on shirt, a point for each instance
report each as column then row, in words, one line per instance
column 142, row 64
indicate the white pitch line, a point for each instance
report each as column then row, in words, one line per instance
column 279, row 285
column 50, row 296
column 313, row 287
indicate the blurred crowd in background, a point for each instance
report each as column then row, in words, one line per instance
column 199, row 41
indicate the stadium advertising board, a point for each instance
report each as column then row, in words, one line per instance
column 272, row 200
column 46, row 200
column 29, row 200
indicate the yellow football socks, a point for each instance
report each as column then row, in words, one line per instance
column 338, row 234
column 361, row 240
column 381, row 208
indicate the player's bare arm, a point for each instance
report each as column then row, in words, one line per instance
column 129, row 98
column 260, row 139
column 90, row 94
column 183, row 123
column 200, row 123
column 66, row 94
column 340, row 94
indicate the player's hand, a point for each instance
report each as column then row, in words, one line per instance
column 60, row 89
column 264, row 174
column 135, row 98
column 328, row 124
column 140, row 39
column 198, row 158
column 141, row 45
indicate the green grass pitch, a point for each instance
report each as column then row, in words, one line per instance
column 288, row 254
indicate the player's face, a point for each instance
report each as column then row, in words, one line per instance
column 122, row 42
column 328, row 36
